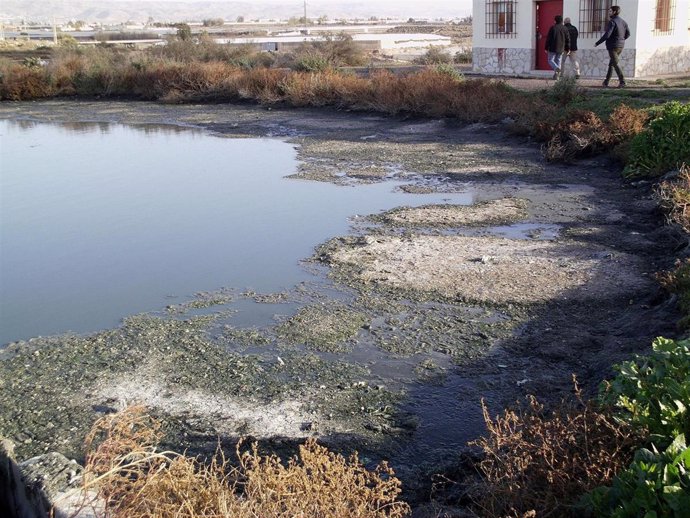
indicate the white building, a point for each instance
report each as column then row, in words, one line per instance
column 509, row 35
column 385, row 42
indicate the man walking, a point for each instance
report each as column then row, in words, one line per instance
column 557, row 40
column 617, row 32
column 571, row 48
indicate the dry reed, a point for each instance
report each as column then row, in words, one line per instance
column 534, row 462
column 673, row 195
column 134, row 480
column 583, row 132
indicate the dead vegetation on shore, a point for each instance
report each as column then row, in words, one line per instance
column 132, row 478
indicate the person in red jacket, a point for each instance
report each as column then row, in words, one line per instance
column 557, row 40
column 617, row 32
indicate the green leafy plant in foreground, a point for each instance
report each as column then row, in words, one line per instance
column 654, row 391
column 663, row 146
column 657, row 484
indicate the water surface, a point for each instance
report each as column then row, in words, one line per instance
column 101, row 221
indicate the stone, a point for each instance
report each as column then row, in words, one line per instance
column 42, row 485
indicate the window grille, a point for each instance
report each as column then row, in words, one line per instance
column 664, row 16
column 594, row 15
column 500, row 19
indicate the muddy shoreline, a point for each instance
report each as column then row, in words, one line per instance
column 548, row 273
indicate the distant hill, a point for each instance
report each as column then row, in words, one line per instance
column 117, row 11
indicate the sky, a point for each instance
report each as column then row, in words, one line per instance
column 299, row 2
column 98, row 10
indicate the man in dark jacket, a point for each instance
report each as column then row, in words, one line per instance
column 557, row 40
column 571, row 48
column 617, row 32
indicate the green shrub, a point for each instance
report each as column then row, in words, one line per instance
column 654, row 391
column 463, row 56
column 33, row 62
column 65, row 40
column 565, row 90
column 434, row 56
column 184, row 31
column 663, row 146
column 449, row 70
column 332, row 52
column 655, row 485
column 340, row 50
column 311, row 63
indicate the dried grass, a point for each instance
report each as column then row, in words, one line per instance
column 135, row 480
column 584, row 133
column 677, row 282
column 626, row 122
column 18, row 82
column 674, row 198
column 188, row 73
column 541, row 463
column 184, row 72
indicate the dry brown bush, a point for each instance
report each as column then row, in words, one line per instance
column 192, row 81
column 258, row 85
column 434, row 93
column 387, row 92
column 20, row 82
column 531, row 115
column 534, row 461
column 580, row 133
column 583, row 132
column 429, row 92
column 626, row 122
column 314, row 89
column 485, row 100
column 674, row 198
column 353, row 92
column 677, row 282
column 137, row 481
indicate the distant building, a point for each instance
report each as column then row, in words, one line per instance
column 368, row 42
column 508, row 35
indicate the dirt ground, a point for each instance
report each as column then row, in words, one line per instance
column 549, row 273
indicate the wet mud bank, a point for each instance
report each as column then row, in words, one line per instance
column 420, row 313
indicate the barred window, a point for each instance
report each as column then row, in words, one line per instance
column 594, row 15
column 664, row 15
column 500, row 18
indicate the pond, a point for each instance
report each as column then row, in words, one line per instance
column 102, row 221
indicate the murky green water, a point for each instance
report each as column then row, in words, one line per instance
column 101, row 221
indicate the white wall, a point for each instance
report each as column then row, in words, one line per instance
column 524, row 27
column 642, row 26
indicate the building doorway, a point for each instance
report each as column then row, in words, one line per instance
column 546, row 11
